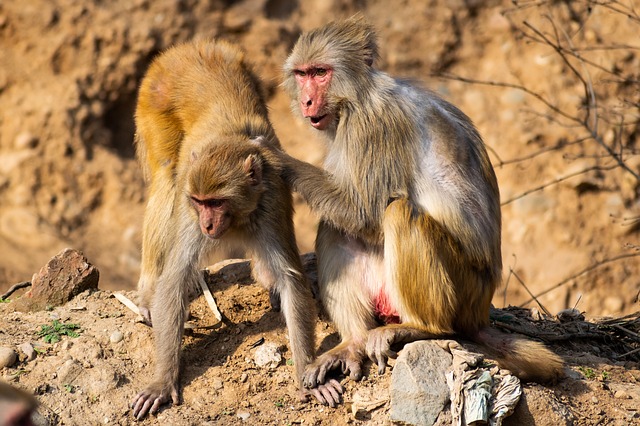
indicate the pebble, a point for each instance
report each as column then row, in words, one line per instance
column 243, row 415
column 28, row 350
column 268, row 356
column 116, row 337
column 620, row 394
column 8, row 357
column 244, row 377
column 217, row 383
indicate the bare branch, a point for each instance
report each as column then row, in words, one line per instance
column 581, row 273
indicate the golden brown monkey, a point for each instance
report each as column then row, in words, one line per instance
column 409, row 241
column 210, row 187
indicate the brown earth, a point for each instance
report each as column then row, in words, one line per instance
column 68, row 178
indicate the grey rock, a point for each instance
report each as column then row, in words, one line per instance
column 419, row 390
column 28, row 350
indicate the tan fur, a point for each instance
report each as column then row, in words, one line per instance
column 199, row 111
column 408, row 189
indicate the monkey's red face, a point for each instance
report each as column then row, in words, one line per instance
column 313, row 82
column 213, row 215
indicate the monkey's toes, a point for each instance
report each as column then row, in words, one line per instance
column 329, row 393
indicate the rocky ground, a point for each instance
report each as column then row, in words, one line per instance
column 533, row 76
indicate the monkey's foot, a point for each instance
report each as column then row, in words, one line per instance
column 149, row 400
column 379, row 346
column 348, row 357
column 329, row 393
column 381, row 339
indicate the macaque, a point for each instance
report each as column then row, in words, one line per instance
column 212, row 186
column 408, row 244
column 16, row 406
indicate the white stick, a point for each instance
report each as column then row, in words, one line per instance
column 209, row 298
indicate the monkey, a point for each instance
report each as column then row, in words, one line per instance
column 409, row 240
column 211, row 186
column 16, row 406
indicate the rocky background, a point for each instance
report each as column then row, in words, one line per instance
column 552, row 87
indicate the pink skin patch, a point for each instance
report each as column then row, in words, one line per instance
column 384, row 310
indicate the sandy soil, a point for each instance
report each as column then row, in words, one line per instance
column 68, row 178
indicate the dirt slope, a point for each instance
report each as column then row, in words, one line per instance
column 68, row 80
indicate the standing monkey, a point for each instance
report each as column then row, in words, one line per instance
column 211, row 186
column 409, row 240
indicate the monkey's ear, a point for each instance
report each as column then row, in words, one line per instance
column 252, row 166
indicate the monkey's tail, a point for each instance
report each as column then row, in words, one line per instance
column 527, row 359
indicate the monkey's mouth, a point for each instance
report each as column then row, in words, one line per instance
column 320, row 122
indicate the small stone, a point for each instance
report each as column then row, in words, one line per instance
column 116, row 337
column 28, row 350
column 243, row 415
column 217, row 383
column 268, row 356
column 620, row 394
column 26, row 140
column 8, row 357
column 244, row 377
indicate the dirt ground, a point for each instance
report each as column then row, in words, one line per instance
column 68, row 178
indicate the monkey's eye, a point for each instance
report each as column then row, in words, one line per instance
column 214, row 203
column 299, row 73
column 321, row 72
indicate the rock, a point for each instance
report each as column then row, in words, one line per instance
column 26, row 140
column 116, row 337
column 66, row 275
column 8, row 357
column 243, row 415
column 28, row 350
column 217, row 383
column 419, row 390
column 620, row 394
column 268, row 356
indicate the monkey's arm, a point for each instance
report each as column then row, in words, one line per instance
column 169, row 307
column 326, row 197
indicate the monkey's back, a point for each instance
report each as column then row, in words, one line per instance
column 188, row 88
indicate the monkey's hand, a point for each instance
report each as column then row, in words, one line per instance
column 276, row 156
column 150, row 399
column 347, row 357
column 329, row 393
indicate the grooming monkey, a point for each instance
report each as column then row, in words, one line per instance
column 409, row 240
column 210, row 187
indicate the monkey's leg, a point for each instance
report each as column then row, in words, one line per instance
column 422, row 264
column 279, row 268
column 345, row 271
column 155, row 234
column 169, row 306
